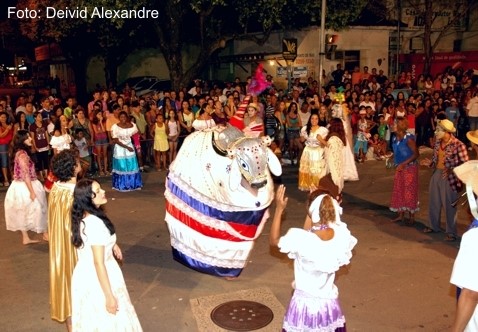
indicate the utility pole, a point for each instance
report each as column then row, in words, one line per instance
column 322, row 42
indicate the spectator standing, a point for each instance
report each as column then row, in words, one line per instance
column 293, row 127
column 472, row 111
column 100, row 138
column 6, row 136
column 142, row 129
column 41, row 147
column 174, row 128
column 448, row 153
column 160, row 133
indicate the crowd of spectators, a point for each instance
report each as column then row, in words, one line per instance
column 279, row 112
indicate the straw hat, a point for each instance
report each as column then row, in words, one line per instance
column 447, row 125
column 468, row 174
column 253, row 105
column 473, row 136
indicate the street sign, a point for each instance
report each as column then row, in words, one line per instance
column 289, row 48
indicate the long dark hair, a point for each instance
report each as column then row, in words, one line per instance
column 82, row 204
column 19, row 142
column 308, row 126
column 336, row 128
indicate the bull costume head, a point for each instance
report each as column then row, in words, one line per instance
column 251, row 157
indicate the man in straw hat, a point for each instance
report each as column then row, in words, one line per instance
column 465, row 273
column 472, row 136
column 448, row 153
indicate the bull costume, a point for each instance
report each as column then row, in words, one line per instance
column 216, row 209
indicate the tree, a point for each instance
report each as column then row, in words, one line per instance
column 207, row 25
column 212, row 23
column 435, row 27
column 80, row 39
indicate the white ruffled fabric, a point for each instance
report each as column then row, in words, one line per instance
column 23, row 214
column 315, row 260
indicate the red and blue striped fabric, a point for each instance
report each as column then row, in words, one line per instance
column 210, row 237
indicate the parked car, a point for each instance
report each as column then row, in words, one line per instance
column 144, row 85
column 161, row 85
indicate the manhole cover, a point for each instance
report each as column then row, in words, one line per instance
column 242, row 315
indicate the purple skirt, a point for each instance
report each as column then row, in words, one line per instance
column 311, row 313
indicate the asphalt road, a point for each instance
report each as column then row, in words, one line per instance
column 398, row 279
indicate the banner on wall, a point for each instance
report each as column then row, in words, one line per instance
column 297, row 72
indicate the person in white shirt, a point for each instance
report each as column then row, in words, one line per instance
column 472, row 112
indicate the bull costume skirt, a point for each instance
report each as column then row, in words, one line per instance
column 311, row 313
column 125, row 174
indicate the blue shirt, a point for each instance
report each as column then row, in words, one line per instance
column 401, row 150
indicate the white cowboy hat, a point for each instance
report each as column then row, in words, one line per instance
column 447, row 125
column 468, row 174
column 472, row 135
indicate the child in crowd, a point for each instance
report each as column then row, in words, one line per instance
column 83, row 149
column 160, row 133
column 137, row 145
column 363, row 135
column 379, row 147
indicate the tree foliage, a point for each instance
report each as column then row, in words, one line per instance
column 206, row 24
column 434, row 29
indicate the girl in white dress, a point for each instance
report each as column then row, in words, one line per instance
column 25, row 201
column 318, row 252
column 173, row 133
column 100, row 299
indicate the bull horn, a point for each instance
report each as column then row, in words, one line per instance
column 216, row 148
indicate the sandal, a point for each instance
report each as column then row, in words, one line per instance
column 428, row 230
column 6, row 184
column 450, row 238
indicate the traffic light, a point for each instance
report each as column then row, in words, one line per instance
column 330, row 45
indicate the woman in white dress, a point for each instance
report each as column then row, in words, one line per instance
column 25, row 201
column 61, row 139
column 100, row 299
column 312, row 162
column 125, row 173
column 350, row 169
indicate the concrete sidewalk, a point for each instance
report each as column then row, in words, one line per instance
column 398, row 279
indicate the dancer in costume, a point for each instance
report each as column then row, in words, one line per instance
column 405, row 183
column 318, row 252
column 312, row 163
column 99, row 295
column 217, row 209
column 125, row 170
column 465, row 274
column 257, row 85
column 25, row 201
column 335, row 144
column 65, row 167
column 341, row 112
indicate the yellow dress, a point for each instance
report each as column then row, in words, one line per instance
column 160, row 138
column 62, row 252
